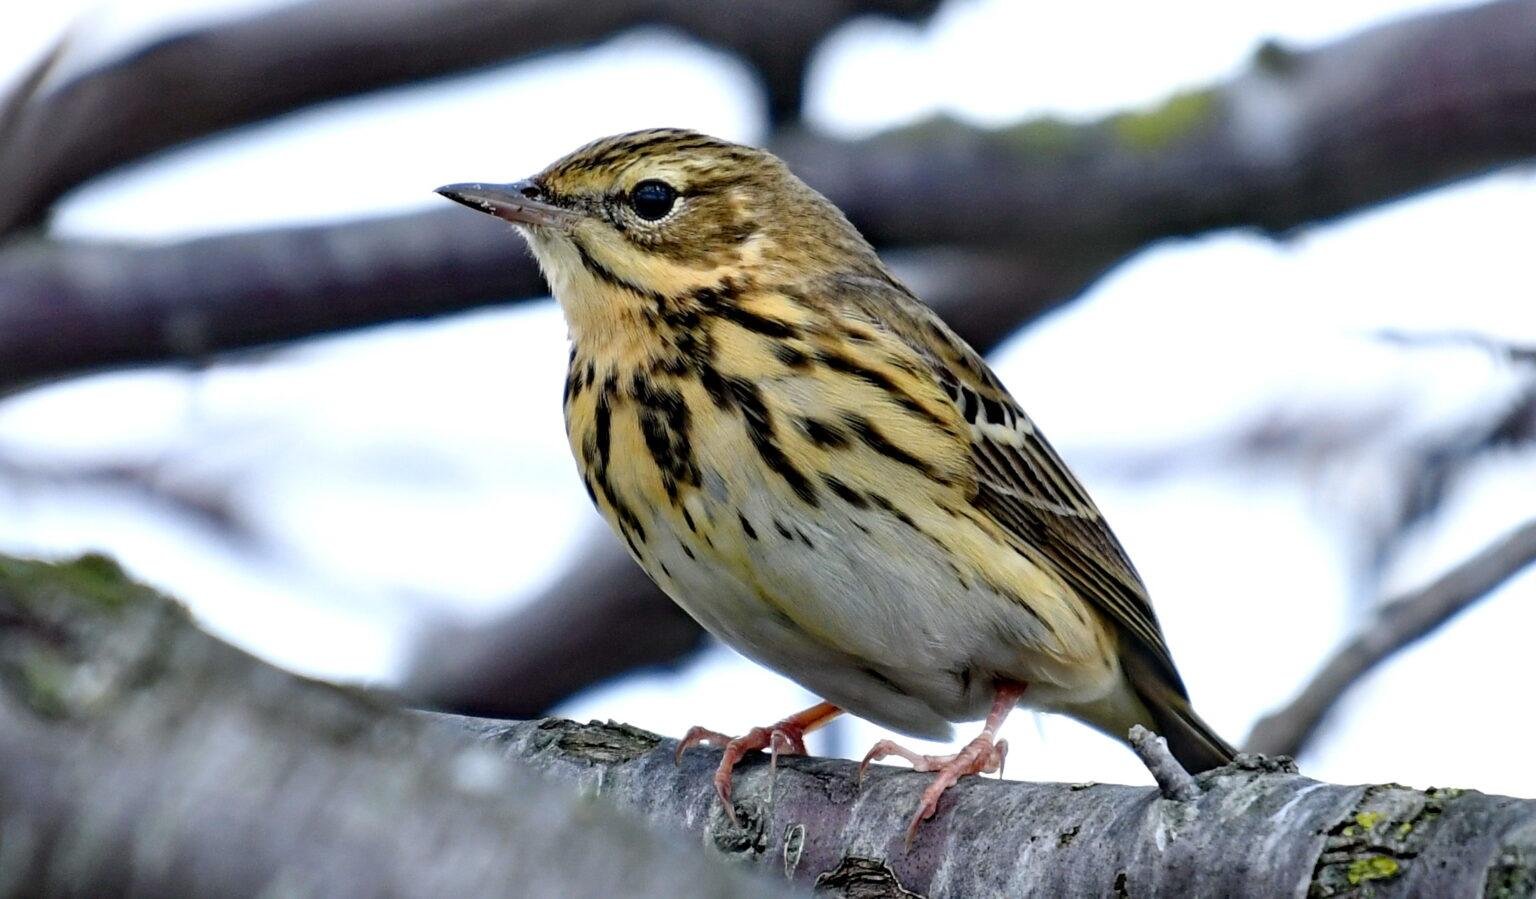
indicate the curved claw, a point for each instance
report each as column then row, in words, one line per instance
column 787, row 737
column 980, row 756
column 698, row 736
column 778, row 740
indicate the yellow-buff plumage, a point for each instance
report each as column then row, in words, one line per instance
column 814, row 466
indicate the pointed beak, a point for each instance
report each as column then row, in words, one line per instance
column 518, row 202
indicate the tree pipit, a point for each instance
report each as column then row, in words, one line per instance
column 814, row 466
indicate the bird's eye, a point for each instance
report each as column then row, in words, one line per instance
column 652, row 200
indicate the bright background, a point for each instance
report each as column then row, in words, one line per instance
column 390, row 478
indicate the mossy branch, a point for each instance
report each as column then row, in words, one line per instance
column 138, row 755
column 136, row 749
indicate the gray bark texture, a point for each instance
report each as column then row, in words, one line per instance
column 139, row 756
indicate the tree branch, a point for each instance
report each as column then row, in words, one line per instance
column 1303, row 136
column 140, row 756
column 1395, row 625
column 222, row 76
column 135, row 749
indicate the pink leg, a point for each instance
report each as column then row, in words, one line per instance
column 983, row 755
column 784, row 738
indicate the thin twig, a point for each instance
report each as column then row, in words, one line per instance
column 1395, row 625
column 1173, row 781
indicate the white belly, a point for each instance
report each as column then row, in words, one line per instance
column 871, row 616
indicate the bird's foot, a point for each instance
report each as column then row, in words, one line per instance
column 983, row 755
column 980, row 756
column 787, row 737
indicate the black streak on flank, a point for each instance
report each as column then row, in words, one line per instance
column 847, row 494
column 823, row 434
column 761, row 324
column 603, row 425
column 714, row 384
column 841, row 363
column 894, row 512
column 629, row 523
column 783, row 531
column 674, row 365
column 791, row 356
column 746, row 526
column 572, row 379
column 760, row 431
column 866, row 431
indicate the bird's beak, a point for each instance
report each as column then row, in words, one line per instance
column 517, row 202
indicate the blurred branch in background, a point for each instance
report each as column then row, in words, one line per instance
column 1040, row 209
column 1302, row 137
column 1434, row 468
column 601, row 619
column 165, row 481
column 1393, row 626
column 254, row 68
column 136, row 749
column 68, row 307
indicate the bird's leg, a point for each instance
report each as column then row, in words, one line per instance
column 784, row 738
column 983, row 755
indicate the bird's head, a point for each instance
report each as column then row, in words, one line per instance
column 638, row 221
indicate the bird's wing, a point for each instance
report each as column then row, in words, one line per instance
column 1024, row 486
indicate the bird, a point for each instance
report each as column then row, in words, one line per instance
column 817, row 469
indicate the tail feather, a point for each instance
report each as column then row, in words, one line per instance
column 1197, row 747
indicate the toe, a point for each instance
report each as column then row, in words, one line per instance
column 698, row 736
column 928, row 806
column 877, row 752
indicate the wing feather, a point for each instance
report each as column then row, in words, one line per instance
column 1020, row 481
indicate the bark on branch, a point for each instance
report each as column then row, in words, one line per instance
column 139, row 756
column 1395, row 625
column 137, row 753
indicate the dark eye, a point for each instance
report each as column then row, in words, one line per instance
column 652, row 200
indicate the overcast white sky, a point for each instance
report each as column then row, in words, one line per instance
column 420, row 470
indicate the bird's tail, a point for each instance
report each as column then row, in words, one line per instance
column 1145, row 695
column 1197, row 747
